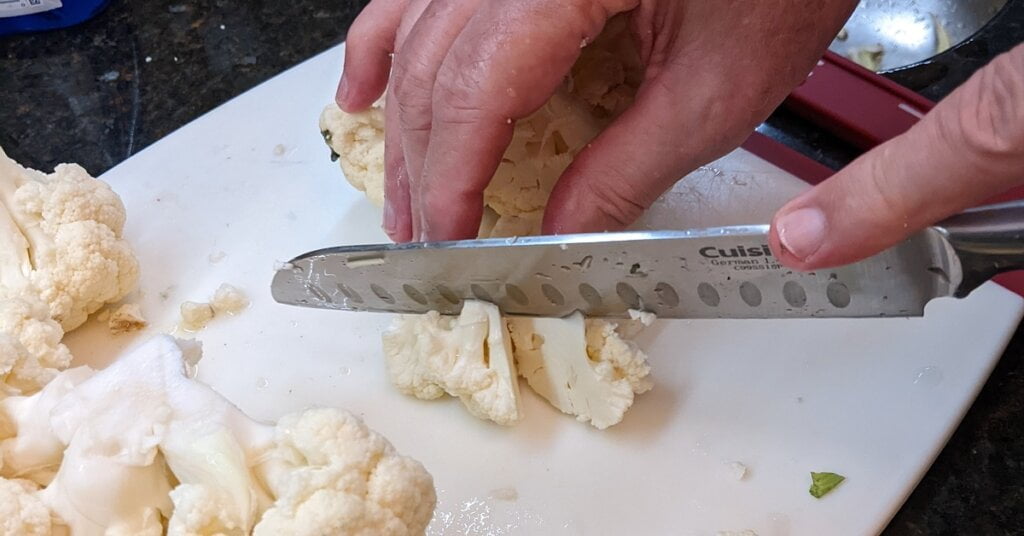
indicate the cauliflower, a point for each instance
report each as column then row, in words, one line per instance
column 333, row 475
column 468, row 356
column 358, row 141
column 228, row 299
column 70, row 226
column 21, row 511
column 601, row 85
column 126, row 318
column 34, row 351
column 195, row 316
column 583, row 368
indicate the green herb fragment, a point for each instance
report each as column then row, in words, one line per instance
column 822, row 483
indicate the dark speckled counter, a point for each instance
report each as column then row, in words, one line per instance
column 98, row 93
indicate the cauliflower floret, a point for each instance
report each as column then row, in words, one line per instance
column 31, row 351
column 468, row 356
column 583, row 370
column 126, row 318
column 195, row 316
column 358, row 141
column 21, row 511
column 331, row 474
column 71, row 224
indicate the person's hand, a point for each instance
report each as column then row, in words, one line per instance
column 465, row 70
column 969, row 148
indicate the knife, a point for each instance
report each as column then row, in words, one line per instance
column 725, row 272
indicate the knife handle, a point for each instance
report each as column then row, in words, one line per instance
column 988, row 241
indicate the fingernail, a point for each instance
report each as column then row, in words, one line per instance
column 341, row 97
column 802, row 232
column 390, row 219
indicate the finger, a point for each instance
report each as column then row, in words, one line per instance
column 368, row 48
column 398, row 216
column 633, row 161
column 502, row 67
column 420, row 58
column 969, row 148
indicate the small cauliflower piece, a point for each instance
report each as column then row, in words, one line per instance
column 27, row 322
column 357, row 140
column 331, row 474
column 22, row 513
column 126, row 318
column 195, row 316
column 581, row 367
column 645, row 318
column 228, row 299
column 72, row 225
column 468, row 357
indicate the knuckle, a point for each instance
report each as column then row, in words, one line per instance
column 992, row 123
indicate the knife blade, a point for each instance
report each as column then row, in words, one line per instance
column 726, row 272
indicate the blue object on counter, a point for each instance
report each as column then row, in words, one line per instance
column 48, row 15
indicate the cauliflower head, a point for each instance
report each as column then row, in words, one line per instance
column 468, row 357
column 601, row 85
column 22, row 513
column 71, row 225
column 31, row 353
column 331, row 474
column 583, row 368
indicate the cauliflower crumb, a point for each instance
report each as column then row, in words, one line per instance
column 644, row 317
column 126, row 318
column 228, row 299
column 736, row 470
column 195, row 316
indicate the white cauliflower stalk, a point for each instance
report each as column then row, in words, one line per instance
column 468, row 357
column 21, row 511
column 331, row 474
column 583, row 370
column 70, row 226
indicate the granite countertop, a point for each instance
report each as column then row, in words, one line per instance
column 97, row 93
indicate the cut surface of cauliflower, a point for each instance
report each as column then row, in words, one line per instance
column 72, row 225
column 586, row 371
column 468, row 357
column 357, row 140
column 22, row 513
column 195, row 316
column 228, row 299
column 331, row 474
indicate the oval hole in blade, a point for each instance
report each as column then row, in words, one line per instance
column 628, row 295
column 447, row 295
column 838, row 294
column 349, row 293
column 517, row 295
column 667, row 295
column 794, row 294
column 708, row 295
column 384, row 295
column 552, row 294
column 590, row 295
column 480, row 293
column 750, row 294
column 414, row 294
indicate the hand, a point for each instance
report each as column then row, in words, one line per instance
column 969, row 148
column 465, row 70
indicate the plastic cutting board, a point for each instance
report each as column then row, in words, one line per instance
column 249, row 183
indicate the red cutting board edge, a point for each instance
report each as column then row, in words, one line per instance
column 814, row 172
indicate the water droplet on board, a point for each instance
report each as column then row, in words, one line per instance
column 929, row 376
column 345, row 371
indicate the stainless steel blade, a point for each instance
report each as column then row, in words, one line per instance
column 726, row 272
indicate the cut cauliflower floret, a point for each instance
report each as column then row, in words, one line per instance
column 71, row 224
column 228, row 299
column 331, row 474
column 22, row 513
column 358, row 141
column 468, row 357
column 126, row 318
column 589, row 372
column 30, row 347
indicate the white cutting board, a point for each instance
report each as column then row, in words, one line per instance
column 874, row 399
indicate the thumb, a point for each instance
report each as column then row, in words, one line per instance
column 969, row 148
